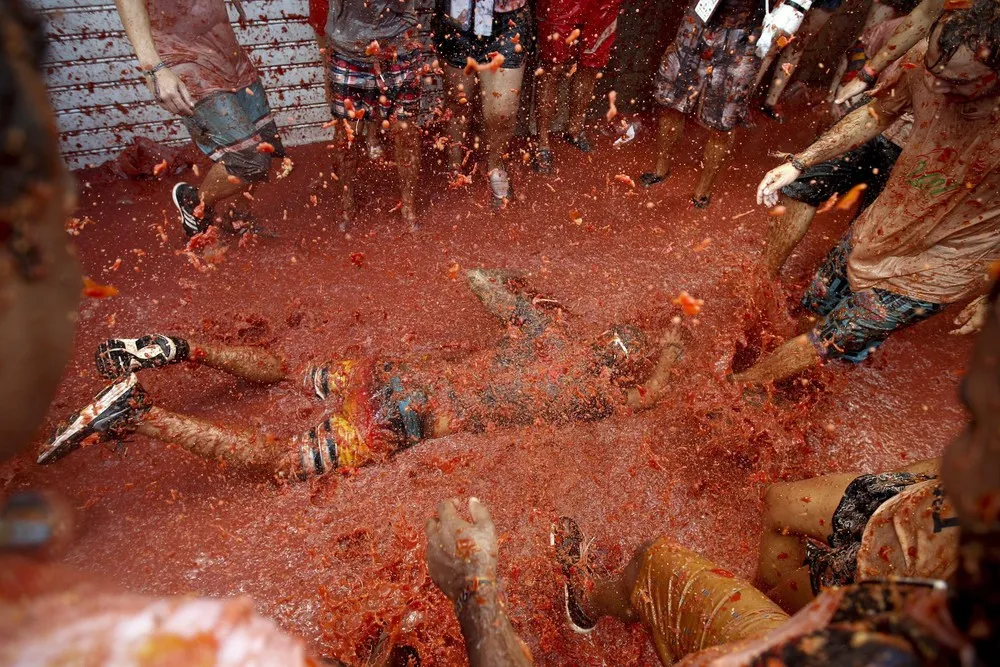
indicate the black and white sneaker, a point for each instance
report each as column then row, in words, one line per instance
column 186, row 200
column 114, row 414
column 566, row 539
column 118, row 356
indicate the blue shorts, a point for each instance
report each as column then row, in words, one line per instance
column 229, row 127
column 855, row 323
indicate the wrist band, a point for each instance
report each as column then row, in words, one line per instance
column 797, row 163
column 154, row 69
column 472, row 586
column 868, row 75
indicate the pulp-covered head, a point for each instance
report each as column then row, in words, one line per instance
column 963, row 51
column 627, row 351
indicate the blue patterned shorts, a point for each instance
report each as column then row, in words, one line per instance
column 855, row 323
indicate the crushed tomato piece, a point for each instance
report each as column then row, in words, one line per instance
column 97, row 291
column 689, row 304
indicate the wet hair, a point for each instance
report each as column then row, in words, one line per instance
column 26, row 145
column 977, row 28
column 626, row 351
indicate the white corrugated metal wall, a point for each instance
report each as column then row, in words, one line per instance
column 101, row 101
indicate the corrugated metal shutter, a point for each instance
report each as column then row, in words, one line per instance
column 101, row 101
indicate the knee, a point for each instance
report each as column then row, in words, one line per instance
column 775, row 500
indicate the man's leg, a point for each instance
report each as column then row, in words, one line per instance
column 345, row 165
column 545, row 109
column 583, row 93
column 501, row 95
column 117, row 357
column 671, row 128
column 406, row 136
column 790, row 57
column 828, row 289
column 716, row 149
column 857, row 325
column 219, row 185
column 684, row 601
column 461, row 88
column 794, row 511
column 124, row 408
column 334, row 443
column 794, row 356
column 232, row 129
column 784, row 233
column 492, row 288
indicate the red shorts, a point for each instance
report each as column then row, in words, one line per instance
column 597, row 21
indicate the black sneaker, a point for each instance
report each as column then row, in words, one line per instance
column 578, row 142
column 186, row 200
column 566, row 539
column 114, row 414
column 117, row 356
column 543, row 161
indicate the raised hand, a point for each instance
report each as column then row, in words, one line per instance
column 461, row 554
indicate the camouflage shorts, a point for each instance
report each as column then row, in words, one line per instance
column 708, row 73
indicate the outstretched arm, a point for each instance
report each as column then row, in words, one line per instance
column 911, row 30
column 649, row 392
column 462, row 560
column 856, row 128
column 167, row 88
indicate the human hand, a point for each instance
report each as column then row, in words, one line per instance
column 458, row 552
column 171, row 92
column 972, row 318
column 770, row 188
column 850, row 90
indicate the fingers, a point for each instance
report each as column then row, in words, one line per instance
column 448, row 512
column 766, row 191
column 186, row 99
column 450, row 523
column 480, row 515
column 431, row 529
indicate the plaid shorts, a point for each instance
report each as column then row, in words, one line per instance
column 708, row 73
column 228, row 127
column 855, row 323
column 386, row 88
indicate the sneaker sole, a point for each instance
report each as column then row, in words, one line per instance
column 180, row 209
column 569, row 617
column 578, row 629
column 82, row 426
column 164, row 353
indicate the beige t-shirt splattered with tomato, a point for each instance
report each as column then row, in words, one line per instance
column 935, row 230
